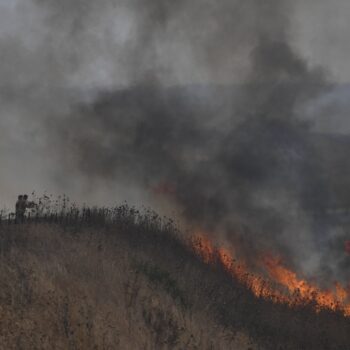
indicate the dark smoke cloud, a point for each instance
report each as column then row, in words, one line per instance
column 257, row 177
column 202, row 101
column 150, row 135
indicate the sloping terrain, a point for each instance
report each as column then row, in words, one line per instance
column 62, row 289
column 136, row 285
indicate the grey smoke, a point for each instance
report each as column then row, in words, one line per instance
column 209, row 101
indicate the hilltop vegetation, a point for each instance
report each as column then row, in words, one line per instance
column 124, row 280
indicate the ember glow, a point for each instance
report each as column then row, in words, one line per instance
column 277, row 283
column 164, row 188
column 347, row 247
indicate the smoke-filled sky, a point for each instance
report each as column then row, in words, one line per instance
column 212, row 108
column 55, row 55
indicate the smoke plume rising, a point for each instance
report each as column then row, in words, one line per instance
column 204, row 105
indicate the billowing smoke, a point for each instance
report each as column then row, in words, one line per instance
column 203, row 104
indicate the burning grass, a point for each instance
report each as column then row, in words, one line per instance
column 279, row 285
column 98, row 278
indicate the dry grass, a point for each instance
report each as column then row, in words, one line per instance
column 66, row 290
column 118, row 279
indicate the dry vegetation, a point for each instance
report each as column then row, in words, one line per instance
column 131, row 283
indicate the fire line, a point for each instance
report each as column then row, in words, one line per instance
column 281, row 286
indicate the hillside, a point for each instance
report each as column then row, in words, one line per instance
column 135, row 284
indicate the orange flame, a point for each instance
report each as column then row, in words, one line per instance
column 281, row 286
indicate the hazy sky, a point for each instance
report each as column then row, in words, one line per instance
column 321, row 32
column 37, row 37
column 55, row 55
